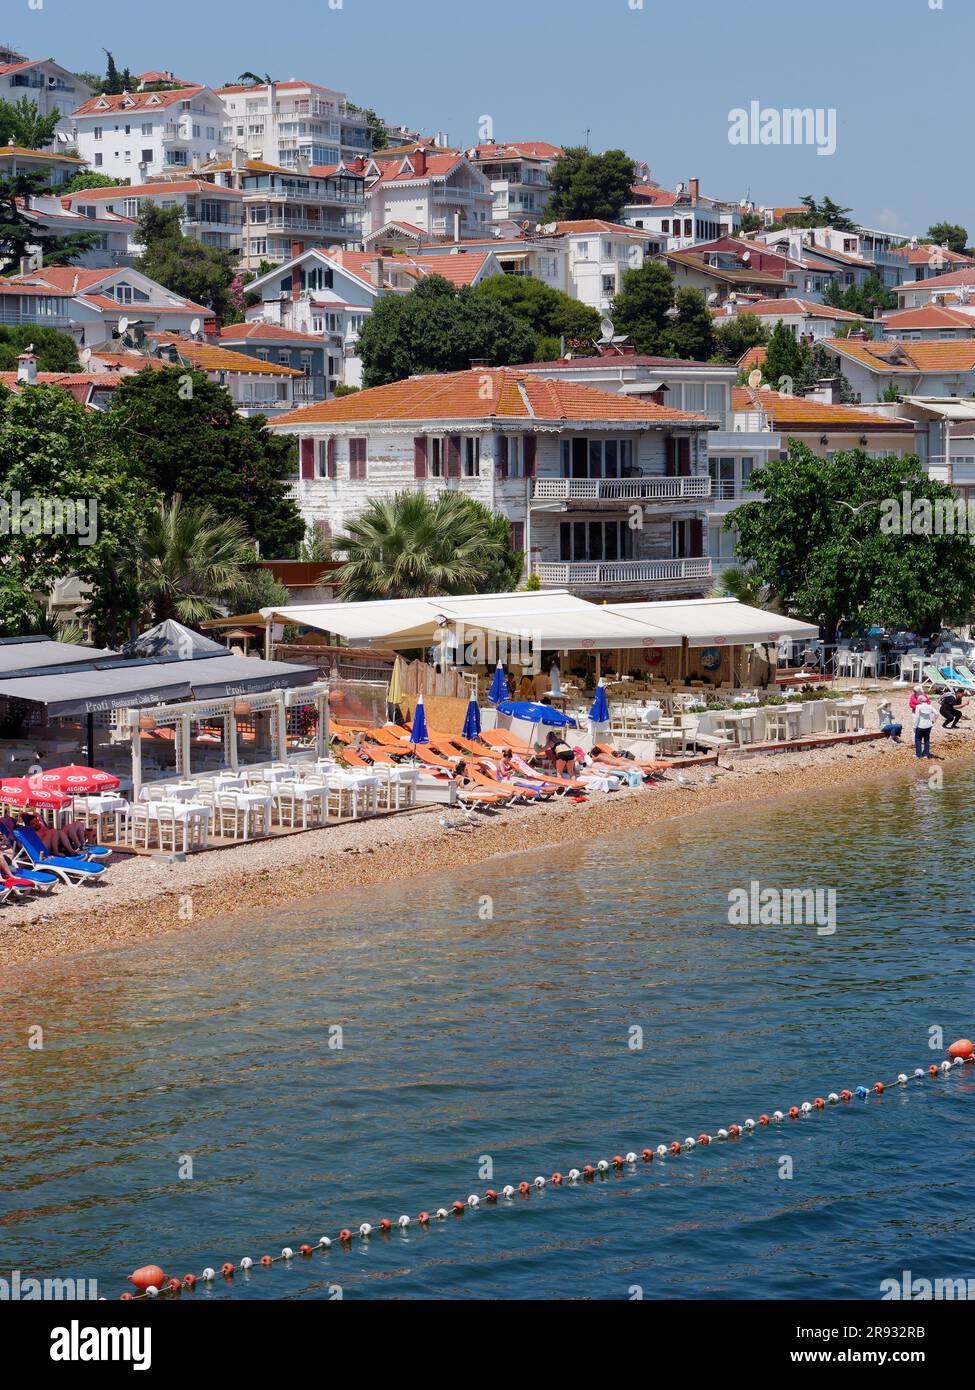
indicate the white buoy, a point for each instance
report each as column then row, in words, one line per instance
column 287, row 1253
column 602, row 1165
column 805, row 1107
column 208, row 1274
column 661, row 1150
column 631, row 1157
column 574, row 1175
column 778, row 1117
column 688, row 1143
column 403, row 1221
column 247, row 1262
column 442, row 1213
column 507, row 1190
column 902, row 1079
column 749, row 1124
column 324, row 1242
column 473, row 1200
column 722, row 1134
column 539, row 1181
column 365, row 1229
column 152, row 1291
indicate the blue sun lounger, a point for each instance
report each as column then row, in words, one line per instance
column 70, row 870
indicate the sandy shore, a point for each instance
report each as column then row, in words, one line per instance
column 145, row 898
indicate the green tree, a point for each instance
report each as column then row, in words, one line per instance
column 785, row 365
column 861, row 299
column 751, row 222
column 824, row 214
column 412, row 545
column 186, row 436
column 377, row 130
column 91, row 180
column 691, row 334
column 742, row 583
column 733, row 337
column 55, row 351
column 436, row 328
column 19, row 236
column 54, row 450
column 843, row 558
column 549, row 313
column 115, row 82
column 257, row 588
column 188, row 559
column 184, row 265
column 584, row 185
column 949, row 234
column 643, row 305
column 22, row 124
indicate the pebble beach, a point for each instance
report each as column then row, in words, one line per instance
column 145, row 898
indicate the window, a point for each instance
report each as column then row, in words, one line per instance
column 597, row 458
column 123, row 294
column 587, row 541
column 263, row 355
column 722, row 472
column 306, row 363
column 472, row 457
column 97, row 132
column 128, row 130
column 357, row 459
column 436, row 459
column 98, row 161
column 284, row 357
column 582, row 251
column 196, row 132
column 665, row 225
column 609, row 284
column 147, row 127
column 146, row 157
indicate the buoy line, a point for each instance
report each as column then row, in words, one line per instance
column 153, row 1283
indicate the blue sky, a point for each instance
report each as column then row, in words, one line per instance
column 658, row 81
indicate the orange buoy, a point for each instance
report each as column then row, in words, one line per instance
column 964, row 1047
column 524, row 1188
column 763, row 1119
column 173, row 1285
column 933, row 1070
column 704, row 1138
column 424, row 1218
column 556, row 1179
column 125, row 1297
column 648, row 1155
column 819, row 1103
column 846, row 1095
column 266, row 1260
column 227, row 1270
column 345, row 1235
column 457, row 1207
column 878, row 1086
column 149, row 1276
column 306, row 1249
column 490, row 1195
column 189, row 1280
column 734, row 1130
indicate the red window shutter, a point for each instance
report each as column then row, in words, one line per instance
column 671, row 456
column 517, row 535
column 331, row 458
column 357, row 458
column 531, row 444
column 420, row 456
column 453, row 456
column 308, row 458
column 697, row 537
column 503, row 460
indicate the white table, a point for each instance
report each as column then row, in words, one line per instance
column 398, row 778
column 356, row 783
column 103, row 808
column 248, row 802
column 304, row 793
column 175, row 791
column 737, row 719
column 229, row 781
column 274, row 775
column 182, row 812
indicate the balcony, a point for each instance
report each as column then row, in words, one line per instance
column 625, row 576
column 958, row 469
column 564, row 494
column 11, row 315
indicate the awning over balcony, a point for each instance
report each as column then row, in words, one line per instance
column 714, row 622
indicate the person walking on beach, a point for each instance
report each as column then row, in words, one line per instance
column 952, row 704
column 923, row 721
column 885, row 716
column 918, row 696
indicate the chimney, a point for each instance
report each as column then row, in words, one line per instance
column 694, row 187
column 297, row 248
column 27, row 368
column 419, row 161
column 376, row 272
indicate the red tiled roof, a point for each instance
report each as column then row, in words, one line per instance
column 922, row 255
column 220, row 359
column 799, row 412
column 652, row 193
column 965, row 276
column 931, row 316
column 437, row 166
column 785, row 307
column 588, row 226
column 754, row 357
column 135, row 101
column 513, row 149
column 892, row 355
column 257, row 332
column 460, row 269
column 485, row 393
column 149, row 190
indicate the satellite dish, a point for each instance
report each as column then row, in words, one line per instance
column 550, row 228
column 85, row 356
column 123, row 326
column 755, row 377
column 713, row 297
column 195, row 326
column 733, row 297
column 679, row 189
column 746, row 256
column 607, row 328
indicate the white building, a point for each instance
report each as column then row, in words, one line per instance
column 599, row 254
column 142, row 135
column 210, row 214
column 45, row 82
column 681, row 218
column 293, row 124
column 566, row 464
column 443, row 195
column 805, row 319
column 876, row 368
column 518, row 172
column 113, row 235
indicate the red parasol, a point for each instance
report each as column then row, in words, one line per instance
column 75, row 780
column 20, row 791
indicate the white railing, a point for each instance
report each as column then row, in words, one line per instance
column 623, row 571
column 620, row 489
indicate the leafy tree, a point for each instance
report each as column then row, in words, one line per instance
column 377, row 129
column 116, row 82
column 861, row 299
column 188, row 558
column 91, row 180
column 411, row 545
column 735, row 336
column 949, row 234
column 19, row 236
column 53, row 449
column 589, row 185
column 841, row 559
column 743, row 584
column 184, row 433
column 824, row 214
column 550, row 313
column 436, row 328
column 257, row 588
column 751, row 222
column 691, row 334
column 785, row 366
column 55, row 351
column 22, row 124
column 643, row 305
column 184, row 265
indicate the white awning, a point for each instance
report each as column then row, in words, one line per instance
column 717, row 622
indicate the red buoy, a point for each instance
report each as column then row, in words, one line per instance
column 704, row 1138
column 933, row 1070
column 793, row 1112
column 490, row 1195
column 878, row 1086
column 125, row 1297
column 648, row 1155
column 306, row 1249
column 617, row 1161
column 675, row 1147
column 189, row 1280
column 146, row 1277
column 734, row 1130
column 819, row 1103
column 457, row 1207
column 173, row 1285
column 962, row 1048
column 524, row 1188
column 846, row 1095
column 266, row 1261
column 763, row 1120
column 556, row 1179
column 424, row 1218
column 588, row 1170
column 345, row 1236
column 227, row 1270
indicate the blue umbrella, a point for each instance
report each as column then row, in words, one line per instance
column 599, row 714
column 472, row 723
column 536, row 714
column 418, row 734
column 499, row 686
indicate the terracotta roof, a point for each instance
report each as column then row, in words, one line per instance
column 257, row 332
column 614, row 361
column 460, row 269
column 514, row 149
column 652, row 193
column 438, row 166
column 754, row 357
column 800, row 412
column 965, row 276
column 911, row 358
column 247, row 166
column 9, row 151
column 921, row 255
column 785, row 307
column 163, row 77
column 148, row 190
column 135, row 101
column 739, row 276
column 510, row 395
column 221, row 359
column 63, row 279
column 589, row 226
column 262, row 86
column 931, row 316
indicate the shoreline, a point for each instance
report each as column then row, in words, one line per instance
column 147, row 899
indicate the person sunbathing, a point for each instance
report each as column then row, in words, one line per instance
column 69, row 840
column 560, row 755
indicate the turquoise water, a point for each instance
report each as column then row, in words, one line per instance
column 508, row 1038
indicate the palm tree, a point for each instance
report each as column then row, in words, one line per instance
column 742, row 583
column 413, row 546
column 187, row 559
column 251, row 79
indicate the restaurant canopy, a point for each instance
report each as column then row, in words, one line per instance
column 23, row 655
column 553, row 619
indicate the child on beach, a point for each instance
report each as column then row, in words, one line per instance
column 885, row 716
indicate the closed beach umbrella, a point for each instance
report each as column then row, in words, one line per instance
column 396, row 690
column 18, row 791
column 499, row 686
column 472, row 722
column 599, row 714
column 418, row 734
column 75, row 780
